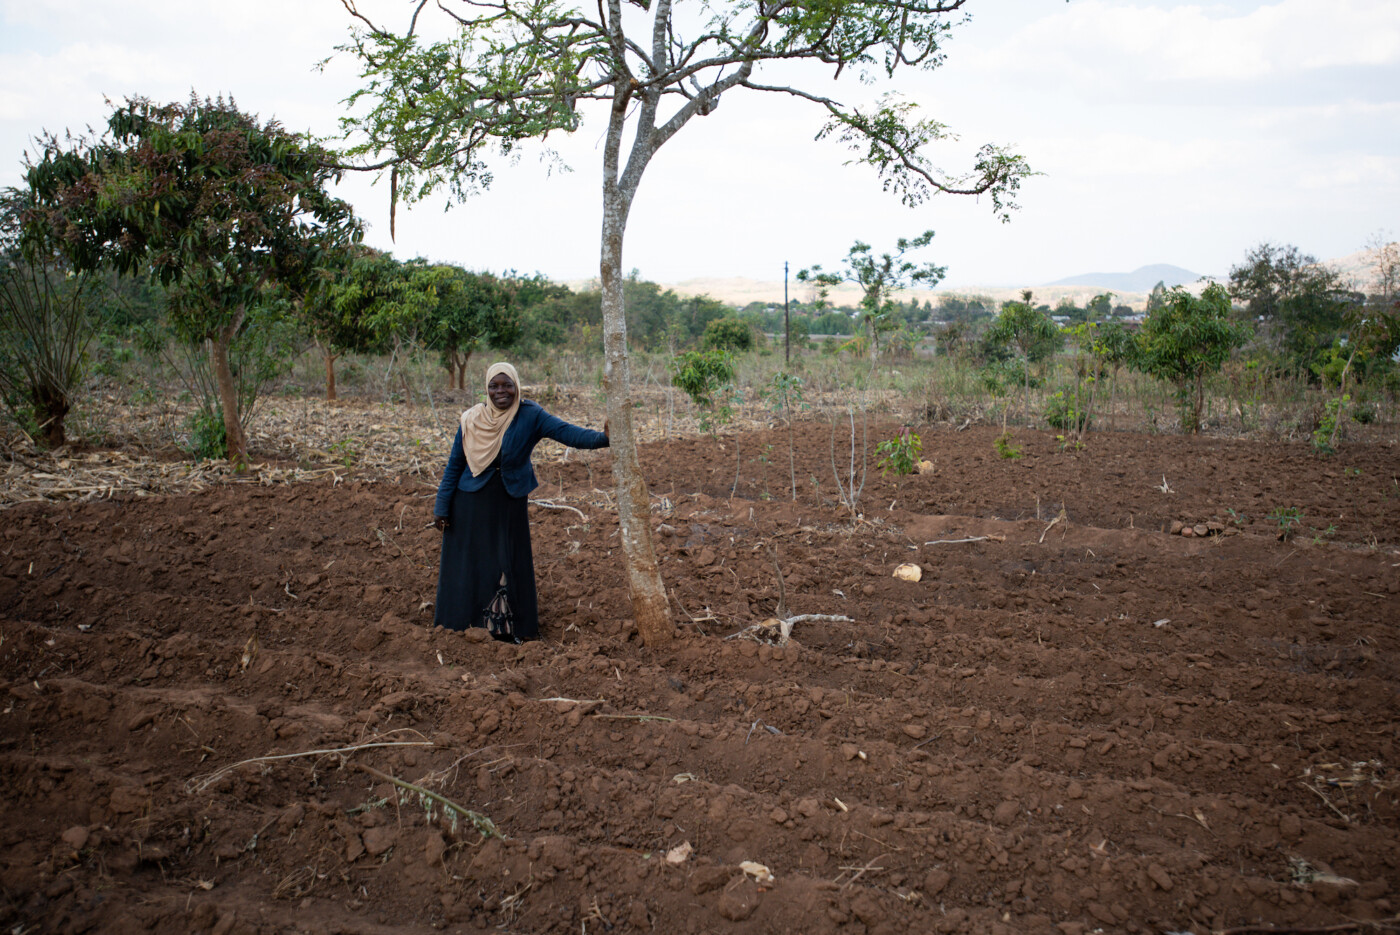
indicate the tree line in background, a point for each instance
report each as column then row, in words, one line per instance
column 193, row 233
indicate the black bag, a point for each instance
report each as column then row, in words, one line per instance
column 498, row 618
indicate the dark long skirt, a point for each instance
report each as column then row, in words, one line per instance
column 488, row 538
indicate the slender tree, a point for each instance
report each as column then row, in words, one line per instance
column 880, row 279
column 201, row 195
column 430, row 112
column 1029, row 332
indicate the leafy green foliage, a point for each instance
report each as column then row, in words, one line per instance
column 223, row 209
column 899, row 455
column 1325, row 435
column 47, row 322
column 472, row 310
column 1025, row 331
column 432, row 110
column 207, row 438
column 783, row 392
column 1005, row 449
column 880, row 278
column 1288, row 519
column 1301, row 303
column 1187, row 339
column 727, row 334
column 701, row 375
column 1061, row 412
column 1000, row 376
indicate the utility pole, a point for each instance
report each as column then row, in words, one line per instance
column 787, row 326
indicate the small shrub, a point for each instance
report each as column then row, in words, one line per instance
column 1289, row 521
column 1003, row 446
column 701, row 375
column 1060, row 413
column 899, row 455
column 1327, row 426
column 1000, row 377
column 208, row 440
column 727, row 334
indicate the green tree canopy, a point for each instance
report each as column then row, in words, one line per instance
column 1186, row 340
column 728, row 334
column 473, row 310
column 340, row 307
column 1028, row 332
column 200, row 196
column 1301, row 303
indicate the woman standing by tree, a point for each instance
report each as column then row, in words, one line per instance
column 487, row 574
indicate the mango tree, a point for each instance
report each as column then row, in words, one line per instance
column 1186, row 340
column 473, row 310
column 340, row 308
column 520, row 69
column 201, row 195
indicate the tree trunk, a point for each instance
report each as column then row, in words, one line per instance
column 1026, row 396
column 453, row 365
column 330, row 373
column 649, row 605
column 1197, row 401
column 792, row 462
column 462, row 372
column 228, row 393
column 51, row 408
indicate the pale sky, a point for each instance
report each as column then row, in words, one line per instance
column 1167, row 133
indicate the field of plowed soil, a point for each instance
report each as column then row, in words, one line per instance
column 1075, row 722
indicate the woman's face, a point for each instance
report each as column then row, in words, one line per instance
column 501, row 391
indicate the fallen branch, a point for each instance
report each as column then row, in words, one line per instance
column 970, row 539
column 784, row 627
column 1328, row 802
column 1063, row 517
column 636, row 717
column 196, row 786
column 483, row 825
column 551, row 505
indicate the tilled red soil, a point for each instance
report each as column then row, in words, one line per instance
column 1090, row 725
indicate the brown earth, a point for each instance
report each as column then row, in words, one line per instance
column 1090, row 725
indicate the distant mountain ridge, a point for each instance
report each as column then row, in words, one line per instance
column 1141, row 279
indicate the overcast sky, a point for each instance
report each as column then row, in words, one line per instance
column 1167, row 133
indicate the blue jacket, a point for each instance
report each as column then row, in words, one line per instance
column 531, row 424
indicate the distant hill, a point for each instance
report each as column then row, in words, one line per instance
column 1141, row 279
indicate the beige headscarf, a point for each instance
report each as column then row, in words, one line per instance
column 483, row 425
